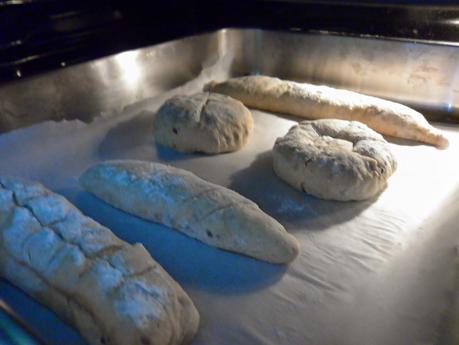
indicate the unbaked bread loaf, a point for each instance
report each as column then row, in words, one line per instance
column 204, row 122
column 114, row 293
column 334, row 159
column 179, row 199
column 315, row 102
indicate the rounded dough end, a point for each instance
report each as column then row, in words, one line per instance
column 270, row 240
column 290, row 252
column 442, row 142
column 334, row 159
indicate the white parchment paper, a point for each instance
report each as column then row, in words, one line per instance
column 369, row 273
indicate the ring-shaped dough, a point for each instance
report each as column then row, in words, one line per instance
column 334, row 159
column 204, row 122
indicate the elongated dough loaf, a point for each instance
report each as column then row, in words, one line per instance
column 179, row 199
column 114, row 293
column 316, row 102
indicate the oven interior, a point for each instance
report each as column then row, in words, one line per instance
column 382, row 270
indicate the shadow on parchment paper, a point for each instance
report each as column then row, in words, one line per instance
column 294, row 209
column 192, row 263
column 38, row 317
column 167, row 154
column 125, row 139
column 133, row 139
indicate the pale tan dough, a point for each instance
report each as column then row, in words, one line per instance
column 113, row 292
column 334, row 159
column 181, row 200
column 204, row 122
column 315, row 102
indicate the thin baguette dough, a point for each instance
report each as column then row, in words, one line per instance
column 204, row 122
column 179, row 199
column 315, row 102
column 114, row 293
column 334, row 159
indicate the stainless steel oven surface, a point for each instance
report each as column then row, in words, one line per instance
column 381, row 271
column 13, row 331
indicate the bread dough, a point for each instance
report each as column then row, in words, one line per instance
column 179, row 199
column 334, row 159
column 315, row 102
column 204, row 122
column 113, row 292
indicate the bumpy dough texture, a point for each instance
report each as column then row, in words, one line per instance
column 315, row 102
column 204, row 122
column 114, row 293
column 179, row 199
column 334, row 159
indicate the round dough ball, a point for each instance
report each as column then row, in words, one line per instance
column 204, row 122
column 334, row 159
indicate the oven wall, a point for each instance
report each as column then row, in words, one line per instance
column 422, row 75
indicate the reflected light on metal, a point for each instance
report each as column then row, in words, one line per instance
column 130, row 69
column 452, row 21
column 14, row 329
column 421, row 75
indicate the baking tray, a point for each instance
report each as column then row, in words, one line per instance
column 422, row 74
column 375, row 272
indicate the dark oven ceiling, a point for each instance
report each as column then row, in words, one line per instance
column 39, row 35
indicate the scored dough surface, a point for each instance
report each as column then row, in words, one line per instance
column 204, row 122
column 202, row 210
column 334, row 159
column 113, row 292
